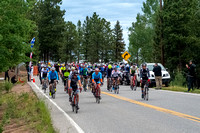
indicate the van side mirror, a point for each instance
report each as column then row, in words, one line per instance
column 166, row 69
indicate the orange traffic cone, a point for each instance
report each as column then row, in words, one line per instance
column 33, row 80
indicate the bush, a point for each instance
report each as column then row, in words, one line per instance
column 8, row 86
column 179, row 79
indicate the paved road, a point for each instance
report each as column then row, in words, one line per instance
column 165, row 112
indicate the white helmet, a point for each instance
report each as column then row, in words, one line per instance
column 53, row 69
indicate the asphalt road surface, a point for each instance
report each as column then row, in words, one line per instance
column 165, row 112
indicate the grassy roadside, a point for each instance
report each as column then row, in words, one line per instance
column 23, row 112
column 180, row 89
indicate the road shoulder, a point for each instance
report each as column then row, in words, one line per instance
column 61, row 120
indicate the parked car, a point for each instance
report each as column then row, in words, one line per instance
column 165, row 75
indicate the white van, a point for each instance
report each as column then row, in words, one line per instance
column 165, row 75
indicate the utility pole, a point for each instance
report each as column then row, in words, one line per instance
column 161, row 35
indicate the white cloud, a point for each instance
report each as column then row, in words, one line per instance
column 112, row 10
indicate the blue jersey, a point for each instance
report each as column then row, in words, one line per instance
column 83, row 72
column 53, row 75
column 102, row 69
column 97, row 77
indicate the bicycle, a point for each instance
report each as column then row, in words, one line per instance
column 134, row 83
column 97, row 94
column 116, row 86
column 53, row 90
column 74, row 102
column 44, row 85
column 146, row 91
column 85, row 83
column 110, row 84
column 66, row 81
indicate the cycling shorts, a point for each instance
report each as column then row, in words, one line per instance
column 85, row 76
column 44, row 78
column 65, row 81
column 52, row 81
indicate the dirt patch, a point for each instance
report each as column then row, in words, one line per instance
column 21, row 88
column 17, row 125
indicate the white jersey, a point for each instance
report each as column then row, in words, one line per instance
column 115, row 74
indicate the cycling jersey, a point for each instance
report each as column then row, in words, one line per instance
column 109, row 72
column 133, row 70
column 44, row 73
column 144, row 74
column 83, row 71
column 66, row 73
column 63, row 69
column 97, row 77
column 53, row 75
column 57, row 67
column 115, row 74
column 74, row 81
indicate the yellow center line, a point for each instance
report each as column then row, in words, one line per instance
column 193, row 118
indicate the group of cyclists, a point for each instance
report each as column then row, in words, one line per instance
column 75, row 75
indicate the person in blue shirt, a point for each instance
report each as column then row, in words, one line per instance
column 53, row 77
column 74, row 78
column 97, row 80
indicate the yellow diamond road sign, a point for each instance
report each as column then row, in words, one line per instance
column 126, row 55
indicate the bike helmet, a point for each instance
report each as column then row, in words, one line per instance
column 53, row 69
column 144, row 64
column 109, row 66
column 96, row 69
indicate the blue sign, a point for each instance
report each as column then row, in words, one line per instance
column 32, row 42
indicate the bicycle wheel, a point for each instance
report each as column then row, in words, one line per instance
column 72, row 106
column 147, row 93
column 118, row 89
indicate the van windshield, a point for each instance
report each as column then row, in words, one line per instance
column 152, row 66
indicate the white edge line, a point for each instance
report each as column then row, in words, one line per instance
column 66, row 115
column 185, row 93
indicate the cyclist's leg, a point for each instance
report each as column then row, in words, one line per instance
column 142, row 88
column 65, row 84
column 131, row 80
column 55, row 84
column 107, row 81
column 70, row 94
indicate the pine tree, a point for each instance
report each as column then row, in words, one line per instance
column 50, row 28
column 119, row 46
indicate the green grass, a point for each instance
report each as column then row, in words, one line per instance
column 180, row 89
column 26, row 108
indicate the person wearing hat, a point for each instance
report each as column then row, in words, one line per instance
column 191, row 75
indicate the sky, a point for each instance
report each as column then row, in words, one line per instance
column 112, row 10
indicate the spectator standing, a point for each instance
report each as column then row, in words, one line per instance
column 28, row 69
column 158, row 76
column 7, row 75
column 191, row 75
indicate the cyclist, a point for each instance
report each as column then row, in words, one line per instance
column 102, row 69
column 90, row 72
column 133, row 70
column 109, row 72
column 84, row 73
column 115, row 76
column 57, row 67
column 53, row 77
column 74, row 78
column 66, row 76
column 63, row 68
column 144, row 77
column 97, row 80
column 44, row 73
